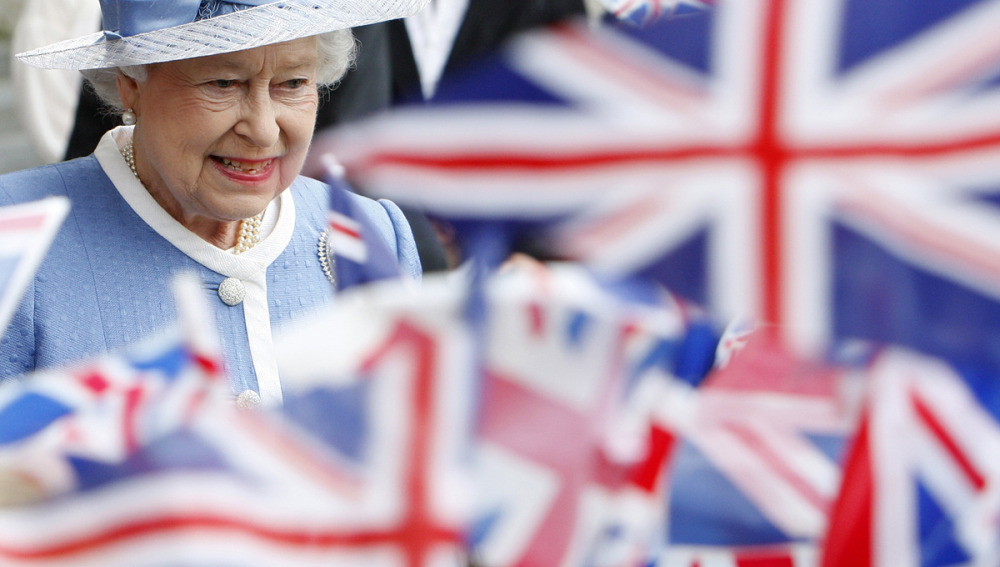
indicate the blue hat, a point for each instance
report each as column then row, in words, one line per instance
column 137, row 32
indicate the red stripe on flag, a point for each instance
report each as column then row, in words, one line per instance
column 209, row 365
column 659, row 88
column 22, row 223
column 300, row 455
column 194, row 405
column 345, row 230
column 130, row 419
column 592, row 235
column 885, row 213
column 536, row 316
column 483, row 162
column 557, row 436
column 772, row 156
column 207, row 523
column 849, row 538
column 337, row 225
column 661, row 443
column 773, row 559
column 780, row 466
column 926, row 415
column 417, row 532
column 94, row 382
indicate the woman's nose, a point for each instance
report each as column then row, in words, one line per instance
column 259, row 120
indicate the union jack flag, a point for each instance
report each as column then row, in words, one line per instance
column 26, row 231
column 826, row 167
column 357, row 469
column 394, row 400
column 640, row 12
column 573, row 442
column 798, row 555
column 919, row 486
column 566, row 461
column 350, row 248
column 56, row 424
column 759, row 466
column 249, row 489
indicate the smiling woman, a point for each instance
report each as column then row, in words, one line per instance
column 255, row 112
column 219, row 99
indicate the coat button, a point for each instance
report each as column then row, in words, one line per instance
column 248, row 399
column 231, row 291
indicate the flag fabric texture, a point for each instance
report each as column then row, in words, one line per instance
column 919, row 485
column 758, row 467
column 352, row 253
column 826, row 167
column 575, row 438
column 26, row 231
column 57, row 425
column 351, row 472
column 566, row 443
column 642, row 12
column 383, row 377
column 799, row 555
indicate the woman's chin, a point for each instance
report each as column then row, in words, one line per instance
column 247, row 208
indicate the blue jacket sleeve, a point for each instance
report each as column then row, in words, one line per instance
column 394, row 230
column 406, row 245
column 17, row 347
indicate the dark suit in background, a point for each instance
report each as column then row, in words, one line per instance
column 387, row 72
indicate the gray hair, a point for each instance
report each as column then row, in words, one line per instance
column 337, row 50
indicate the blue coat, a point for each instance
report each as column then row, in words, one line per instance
column 106, row 279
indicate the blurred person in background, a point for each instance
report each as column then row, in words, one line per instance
column 47, row 99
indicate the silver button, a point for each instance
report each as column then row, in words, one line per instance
column 248, row 399
column 231, row 291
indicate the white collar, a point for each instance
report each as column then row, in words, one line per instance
column 432, row 33
column 241, row 266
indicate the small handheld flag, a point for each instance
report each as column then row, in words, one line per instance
column 351, row 247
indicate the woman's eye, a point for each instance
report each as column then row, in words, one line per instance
column 223, row 83
column 295, row 83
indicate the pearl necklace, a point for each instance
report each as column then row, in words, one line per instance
column 249, row 234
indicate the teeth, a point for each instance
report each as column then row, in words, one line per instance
column 238, row 165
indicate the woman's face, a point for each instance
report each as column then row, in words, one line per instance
column 219, row 137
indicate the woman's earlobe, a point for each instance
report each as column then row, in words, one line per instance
column 128, row 90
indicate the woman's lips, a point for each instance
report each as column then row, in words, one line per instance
column 244, row 170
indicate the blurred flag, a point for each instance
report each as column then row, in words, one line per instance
column 359, row 468
column 575, row 435
column 920, row 484
column 56, row 423
column 827, row 167
column 554, row 414
column 758, row 467
column 241, row 488
column 800, row 555
column 641, row 12
column 352, row 251
column 26, row 231
column 385, row 378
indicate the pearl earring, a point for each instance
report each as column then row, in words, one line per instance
column 128, row 117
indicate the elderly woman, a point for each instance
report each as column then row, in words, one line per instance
column 219, row 101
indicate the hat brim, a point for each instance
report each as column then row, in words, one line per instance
column 267, row 24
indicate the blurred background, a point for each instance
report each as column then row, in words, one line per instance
column 15, row 150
